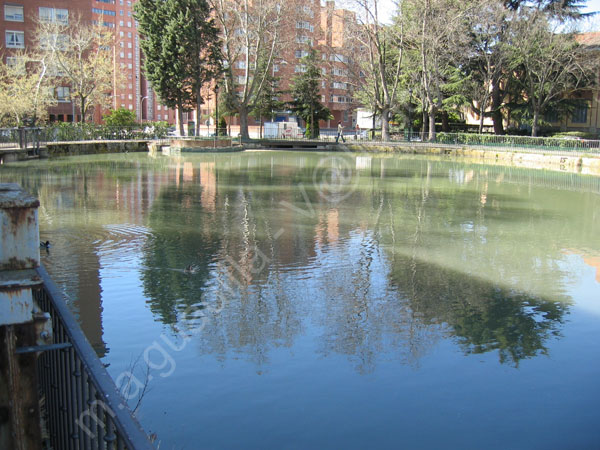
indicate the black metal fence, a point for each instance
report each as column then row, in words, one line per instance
column 82, row 407
column 32, row 138
column 562, row 146
column 21, row 138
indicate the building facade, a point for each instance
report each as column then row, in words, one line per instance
column 319, row 25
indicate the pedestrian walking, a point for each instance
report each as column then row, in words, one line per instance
column 340, row 133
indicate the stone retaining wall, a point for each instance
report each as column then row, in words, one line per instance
column 94, row 147
column 194, row 144
column 578, row 164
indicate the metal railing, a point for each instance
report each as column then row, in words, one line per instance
column 83, row 409
column 21, row 138
column 34, row 137
column 566, row 146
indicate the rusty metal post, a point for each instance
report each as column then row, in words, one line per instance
column 19, row 256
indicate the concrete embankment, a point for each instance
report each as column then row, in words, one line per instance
column 93, row 148
column 221, row 144
column 581, row 163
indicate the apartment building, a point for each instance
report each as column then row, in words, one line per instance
column 320, row 25
column 18, row 28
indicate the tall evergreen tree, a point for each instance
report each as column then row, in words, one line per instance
column 181, row 49
column 306, row 100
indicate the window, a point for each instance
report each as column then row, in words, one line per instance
column 130, row 106
column 121, row 34
column 106, row 12
column 55, row 15
column 13, row 13
column 130, row 96
column 129, row 34
column 128, row 24
column 63, row 93
column 15, row 39
column 304, row 40
column 129, row 55
column 338, row 85
column 580, row 113
column 122, row 54
column 129, row 45
column 339, row 72
column 275, row 67
column 159, row 107
column 129, row 66
column 120, row 12
column 301, row 53
column 16, row 65
column 338, row 58
column 121, row 23
column 241, row 64
column 56, row 41
column 300, row 68
column 306, row 10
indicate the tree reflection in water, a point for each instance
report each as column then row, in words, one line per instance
column 366, row 273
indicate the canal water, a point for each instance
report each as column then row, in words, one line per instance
column 328, row 300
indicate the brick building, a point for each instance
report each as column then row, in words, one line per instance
column 320, row 25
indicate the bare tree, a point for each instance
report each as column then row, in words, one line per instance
column 82, row 54
column 437, row 31
column 488, row 58
column 380, row 60
column 25, row 89
column 549, row 62
column 253, row 40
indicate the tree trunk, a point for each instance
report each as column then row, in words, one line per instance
column 425, row 125
column 180, row 119
column 496, row 104
column 199, row 103
column 244, row 122
column 534, row 125
column 480, row 120
column 445, row 122
column 385, row 125
column 432, row 125
column 82, row 108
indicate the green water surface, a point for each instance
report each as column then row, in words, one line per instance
column 333, row 300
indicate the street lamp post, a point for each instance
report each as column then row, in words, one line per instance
column 216, row 109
